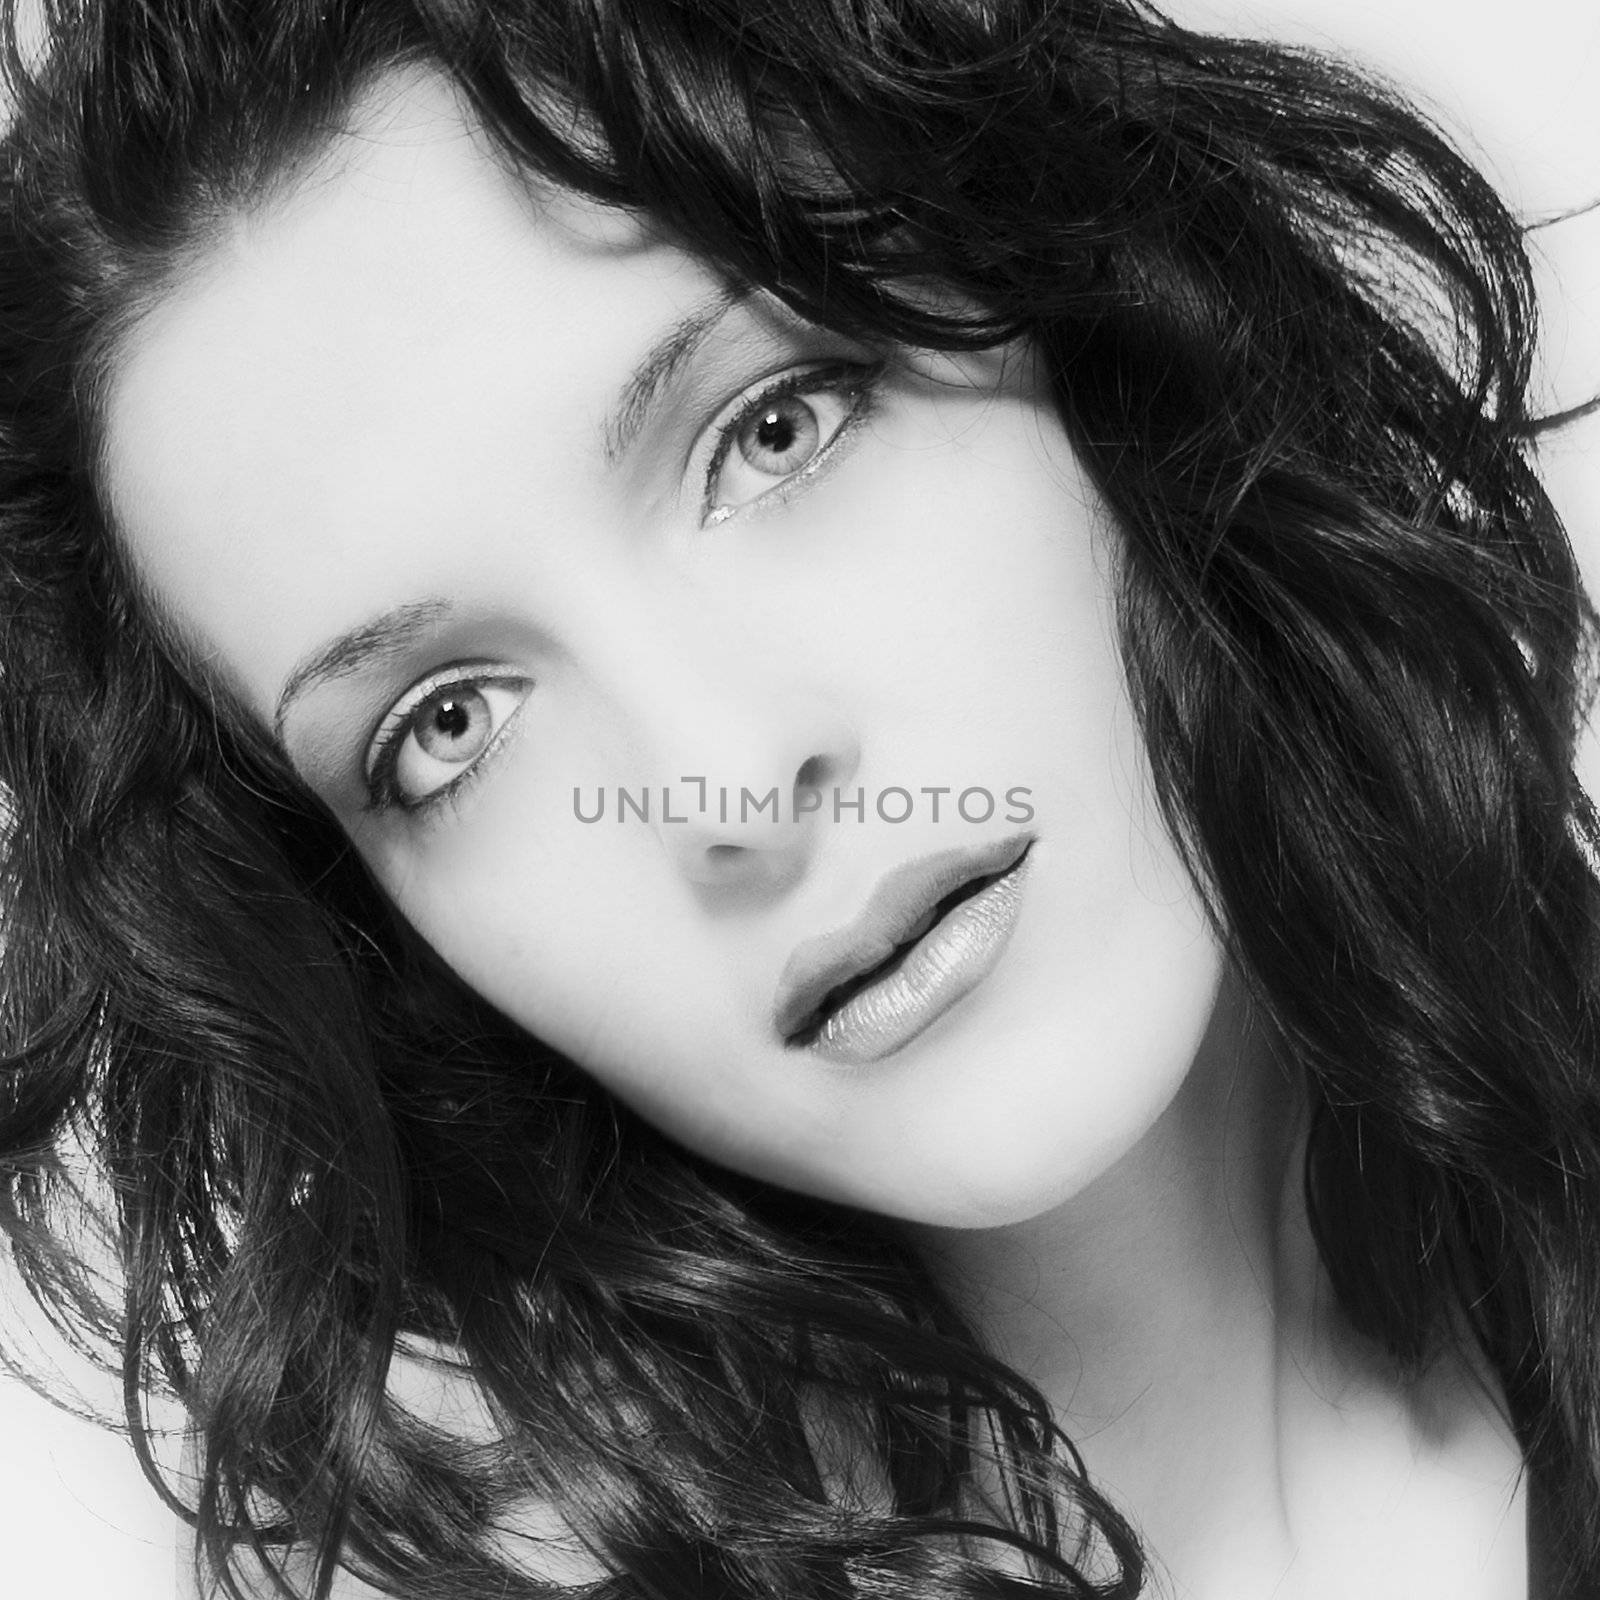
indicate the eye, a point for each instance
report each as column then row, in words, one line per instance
column 436, row 735
column 783, row 434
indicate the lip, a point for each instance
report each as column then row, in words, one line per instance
column 899, row 911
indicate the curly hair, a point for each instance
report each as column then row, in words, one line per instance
column 1289, row 332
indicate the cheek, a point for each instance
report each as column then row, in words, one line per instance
column 575, row 933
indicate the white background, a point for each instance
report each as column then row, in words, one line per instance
column 1520, row 85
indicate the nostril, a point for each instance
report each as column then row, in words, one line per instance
column 810, row 773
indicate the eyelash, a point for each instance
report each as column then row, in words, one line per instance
column 854, row 382
column 399, row 723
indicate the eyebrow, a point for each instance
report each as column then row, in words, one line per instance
column 383, row 636
column 661, row 363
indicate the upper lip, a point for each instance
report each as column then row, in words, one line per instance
column 904, row 896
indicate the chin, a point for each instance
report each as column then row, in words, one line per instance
column 972, row 1196
column 1028, row 1125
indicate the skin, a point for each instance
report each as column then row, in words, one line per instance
column 1093, row 1145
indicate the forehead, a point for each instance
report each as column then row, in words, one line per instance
column 409, row 324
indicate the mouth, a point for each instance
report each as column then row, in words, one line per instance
column 931, row 932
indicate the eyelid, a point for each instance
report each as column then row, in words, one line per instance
column 852, row 378
column 387, row 738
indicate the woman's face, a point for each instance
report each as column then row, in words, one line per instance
column 500, row 506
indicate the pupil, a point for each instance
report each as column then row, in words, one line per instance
column 451, row 719
column 775, row 432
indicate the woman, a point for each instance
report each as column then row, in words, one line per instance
column 793, row 804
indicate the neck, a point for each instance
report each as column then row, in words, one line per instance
column 1176, row 1315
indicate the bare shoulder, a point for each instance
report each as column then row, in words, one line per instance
column 1413, row 1493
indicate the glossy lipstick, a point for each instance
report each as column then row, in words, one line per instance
column 931, row 932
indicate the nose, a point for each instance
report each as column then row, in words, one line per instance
column 755, row 771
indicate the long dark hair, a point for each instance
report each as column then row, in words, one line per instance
column 1289, row 330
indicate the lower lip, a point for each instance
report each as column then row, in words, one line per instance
column 946, row 964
